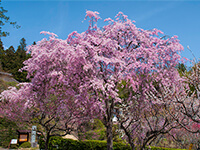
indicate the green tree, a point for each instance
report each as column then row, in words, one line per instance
column 8, row 61
column 182, row 69
column 7, row 131
column 5, row 20
column 12, row 60
column 21, row 50
column 21, row 56
column 1, row 54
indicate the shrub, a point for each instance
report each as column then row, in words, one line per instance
column 41, row 142
column 7, row 131
column 25, row 145
column 5, row 144
column 121, row 146
column 102, row 134
column 55, row 141
column 95, row 144
column 97, row 134
column 97, row 124
column 14, row 146
column 92, row 130
column 68, row 144
column 163, row 148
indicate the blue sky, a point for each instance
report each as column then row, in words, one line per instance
column 62, row 17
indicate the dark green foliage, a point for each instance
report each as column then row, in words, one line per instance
column 97, row 124
column 1, row 54
column 25, row 145
column 68, row 144
column 96, row 131
column 12, row 61
column 121, row 146
column 102, row 134
column 8, row 131
column 55, row 141
column 163, row 148
column 4, row 143
column 14, row 146
column 181, row 69
column 8, row 61
column 92, row 130
column 21, row 56
column 41, row 142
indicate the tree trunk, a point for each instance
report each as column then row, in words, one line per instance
column 131, row 144
column 47, row 142
column 109, row 135
column 130, row 140
column 109, row 123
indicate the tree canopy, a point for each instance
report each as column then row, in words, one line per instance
column 94, row 74
column 12, row 60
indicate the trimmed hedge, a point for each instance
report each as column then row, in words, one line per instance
column 163, row 148
column 58, row 143
column 68, row 144
column 25, row 145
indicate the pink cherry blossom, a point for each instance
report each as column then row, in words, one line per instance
column 78, row 78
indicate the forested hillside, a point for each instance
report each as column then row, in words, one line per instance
column 11, row 60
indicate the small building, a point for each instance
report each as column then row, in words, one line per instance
column 23, row 136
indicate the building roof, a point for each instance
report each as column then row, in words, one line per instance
column 24, row 131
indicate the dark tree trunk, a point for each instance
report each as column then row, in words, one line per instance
column 109, row 123
column 131, row 144
column 47, row 142
column 130, row 140
column 109, row 135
